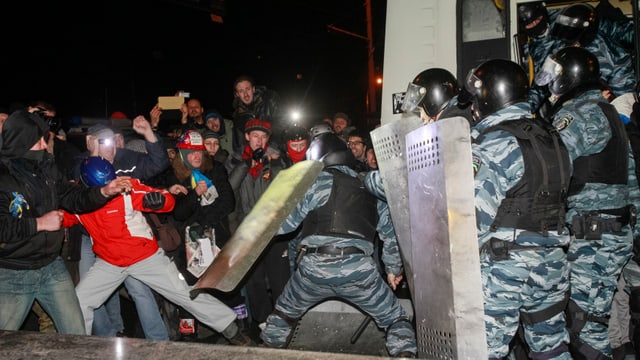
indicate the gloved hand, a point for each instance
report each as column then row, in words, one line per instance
column 258, row 154
column 153, row 200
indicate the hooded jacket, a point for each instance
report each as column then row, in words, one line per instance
column 31, row 188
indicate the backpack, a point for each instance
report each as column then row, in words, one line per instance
column 166, row 233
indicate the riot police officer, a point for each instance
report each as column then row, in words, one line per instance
column 600, row 198
column 521, row 173
column 340, row 223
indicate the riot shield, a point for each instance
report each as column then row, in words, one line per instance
column 259, row 226
column 448, row 288
column 389, row 145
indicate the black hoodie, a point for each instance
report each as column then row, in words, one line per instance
column 31, row 188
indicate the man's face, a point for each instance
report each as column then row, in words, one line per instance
column 245, row 91
column 298, row 145
column 339, row 124
column 119, row 141
column 371, row 159
column 357, row 147
column 212, row 145
column 107, row 148
column 40, row 145
column 257, row 139
column 194, row 108
column 213, row 124
column 426, row 119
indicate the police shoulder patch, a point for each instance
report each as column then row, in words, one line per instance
column 564, row 121
column 476, row 165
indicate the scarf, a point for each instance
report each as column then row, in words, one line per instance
column 295, row 156
column 247, row 154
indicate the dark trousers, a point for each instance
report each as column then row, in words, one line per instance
column 267, row 280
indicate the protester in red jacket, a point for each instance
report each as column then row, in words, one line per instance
column 126, row 246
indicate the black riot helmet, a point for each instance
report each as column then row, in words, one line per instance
column 494, row 85
column 567, row 69
column 576, row 23
column 431, row 90
column 533, row 19
column 331, row 150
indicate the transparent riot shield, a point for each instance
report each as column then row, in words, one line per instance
column 389, row 145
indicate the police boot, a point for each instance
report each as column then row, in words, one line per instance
column 405, row 354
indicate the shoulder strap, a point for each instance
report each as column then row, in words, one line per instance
column 154, row 218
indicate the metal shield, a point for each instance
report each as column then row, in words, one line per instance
column 389, row 145
column 259, row 226
column 448, row 287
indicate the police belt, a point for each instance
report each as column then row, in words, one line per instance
column 499, row 249
column 590, row 225
column 332, row 250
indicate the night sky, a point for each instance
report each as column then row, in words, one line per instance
column 94, row 57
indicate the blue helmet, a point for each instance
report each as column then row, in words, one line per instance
column 96, row 171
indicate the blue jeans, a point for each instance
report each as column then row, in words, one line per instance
column 107, row 318
column 52, row 286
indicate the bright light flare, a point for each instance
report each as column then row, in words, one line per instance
column 295, row 115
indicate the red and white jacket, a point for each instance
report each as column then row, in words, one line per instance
column 121, row 234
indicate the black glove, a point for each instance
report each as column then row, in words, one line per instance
column 258, row 154
column 153, row 200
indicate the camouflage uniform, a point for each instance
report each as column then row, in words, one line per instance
column 609, row 46
column 528, row 281
column 353, row 277
column 595, row 264
column 616, row 65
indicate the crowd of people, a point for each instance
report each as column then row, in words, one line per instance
column 205, row 173
column 555, row 182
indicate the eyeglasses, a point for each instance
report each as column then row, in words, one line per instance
column 354, row 143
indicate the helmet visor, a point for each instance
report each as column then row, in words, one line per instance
column 413, row 97
column 550, row 71
column 472, row 83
